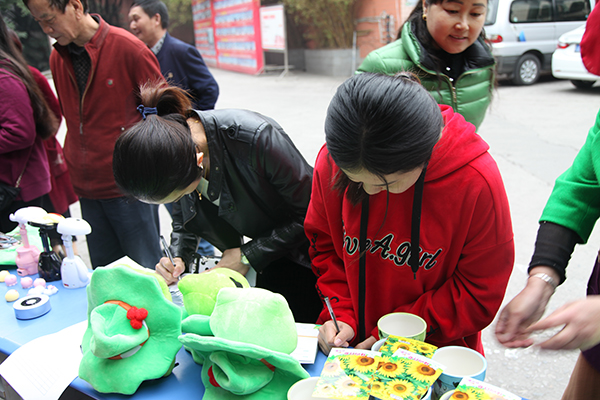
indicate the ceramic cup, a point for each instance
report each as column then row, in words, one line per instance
column 459, row 362
column 427, row 396
column 447, row 395
column 402, row 324
column 377, row 345
column 303, row 389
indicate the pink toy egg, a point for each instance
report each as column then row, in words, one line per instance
column 26, row 282
column 39, row 282
column 10, row 280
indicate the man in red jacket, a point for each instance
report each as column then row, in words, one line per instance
column 97, row 71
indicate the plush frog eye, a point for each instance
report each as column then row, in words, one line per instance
column 236, row 283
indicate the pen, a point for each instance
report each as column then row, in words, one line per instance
column 167, row 251
column 332, row 314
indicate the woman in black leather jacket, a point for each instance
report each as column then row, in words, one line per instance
column 232, row 174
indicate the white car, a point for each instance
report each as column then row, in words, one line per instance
column 566, row 60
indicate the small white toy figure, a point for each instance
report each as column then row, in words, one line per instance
column 73, row 270
column 27, row 255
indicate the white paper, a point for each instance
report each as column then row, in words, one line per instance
column 43, row 368
column 308, row 343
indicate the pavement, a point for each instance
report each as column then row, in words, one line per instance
column 534, row 133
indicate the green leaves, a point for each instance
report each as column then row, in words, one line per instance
column 329, row 23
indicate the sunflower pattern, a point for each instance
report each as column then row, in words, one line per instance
column 346, row 374
column 473, row 389
column 357, row 374
column 394, row 343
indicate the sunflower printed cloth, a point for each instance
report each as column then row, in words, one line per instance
column 358, row 374
column 393, row 343
column 473, row 389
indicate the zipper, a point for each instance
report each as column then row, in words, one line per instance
column 469, row 72
column 87, row 86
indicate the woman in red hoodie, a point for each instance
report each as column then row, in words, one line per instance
column 399, row 172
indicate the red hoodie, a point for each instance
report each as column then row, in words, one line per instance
column 466, row 243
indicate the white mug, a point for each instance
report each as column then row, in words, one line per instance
column 303, row 389
column 459, row 362
column 402, row 324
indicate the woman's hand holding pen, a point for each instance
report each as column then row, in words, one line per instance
column 169, row 271
column 329, row 337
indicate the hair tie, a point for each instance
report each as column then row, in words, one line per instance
column 145, row 111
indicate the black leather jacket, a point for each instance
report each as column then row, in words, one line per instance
column 263, row 185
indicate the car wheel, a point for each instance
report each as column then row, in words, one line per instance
column 583, row 84
column 527, row 70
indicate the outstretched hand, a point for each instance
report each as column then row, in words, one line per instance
column 581, row 320
column 526, row 308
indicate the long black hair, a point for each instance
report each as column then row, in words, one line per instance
column 13, row 63
column 157, row 155
column 380, row 124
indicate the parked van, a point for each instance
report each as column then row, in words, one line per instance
column 524, row 33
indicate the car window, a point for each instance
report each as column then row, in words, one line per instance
column 522, row 11
column 572, row 10
column 490, row 17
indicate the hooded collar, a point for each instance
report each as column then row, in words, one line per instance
column 458, row 146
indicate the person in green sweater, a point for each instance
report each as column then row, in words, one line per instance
column 568, row 218
column 443, row 43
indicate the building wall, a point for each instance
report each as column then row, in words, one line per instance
column 379, row 21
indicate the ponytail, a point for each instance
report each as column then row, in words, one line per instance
column 157, row 156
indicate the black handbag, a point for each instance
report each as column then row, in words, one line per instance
column 8, row 193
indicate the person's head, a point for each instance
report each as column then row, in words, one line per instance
column 157, row 159
column 148, row 20
column 13, row 62
column 380, row 131
column 451, row 25
column 61, row 19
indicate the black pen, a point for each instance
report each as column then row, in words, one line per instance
column 328, row 304
column 167, row 251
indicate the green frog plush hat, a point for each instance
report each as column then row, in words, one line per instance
column 200, row 290
column 247, row 355
column 133, row 329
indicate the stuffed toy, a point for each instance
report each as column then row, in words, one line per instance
column 133, row 328
column 247, row 355
column 200, row 290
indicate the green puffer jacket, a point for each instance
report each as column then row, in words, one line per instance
column 472, row 91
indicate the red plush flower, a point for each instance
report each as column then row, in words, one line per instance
column 136, row 316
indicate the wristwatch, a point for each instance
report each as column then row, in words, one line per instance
column 546, row 278
column 245, row 260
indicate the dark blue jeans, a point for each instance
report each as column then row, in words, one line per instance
column 122, row 227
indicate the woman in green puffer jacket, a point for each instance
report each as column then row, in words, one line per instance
column 442, row 42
